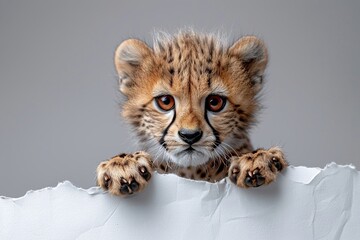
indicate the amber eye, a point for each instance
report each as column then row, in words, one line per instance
column 165, row 102
column 215, row 103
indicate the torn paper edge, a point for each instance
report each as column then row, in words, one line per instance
column 298, row 174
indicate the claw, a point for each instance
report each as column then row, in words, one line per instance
column 106, row 177
column 277, row 163
column 144, row 173
column 143, row 169
column 123, row 181
column 235, row 170
column 234, row 174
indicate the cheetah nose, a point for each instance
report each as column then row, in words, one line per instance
column 190, row 136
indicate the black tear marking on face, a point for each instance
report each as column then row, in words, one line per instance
column 216, row 133
column 162, row 139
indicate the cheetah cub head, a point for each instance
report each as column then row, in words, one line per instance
column 191, row 97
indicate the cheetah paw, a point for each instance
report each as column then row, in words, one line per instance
column 125, row 174
column 257, row 168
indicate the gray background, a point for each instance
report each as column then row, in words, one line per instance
column 59, row 114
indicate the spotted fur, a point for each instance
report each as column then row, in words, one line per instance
column 189, row 68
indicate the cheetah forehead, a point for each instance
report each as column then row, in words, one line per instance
column 190, row 51
column 191, row 61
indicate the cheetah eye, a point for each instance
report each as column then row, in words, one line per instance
column 165, row 102
column 215, row 103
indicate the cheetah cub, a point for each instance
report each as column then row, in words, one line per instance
column 191, row 100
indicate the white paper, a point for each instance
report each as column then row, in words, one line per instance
column 304, row 203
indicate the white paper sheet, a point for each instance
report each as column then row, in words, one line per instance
column 304, row 203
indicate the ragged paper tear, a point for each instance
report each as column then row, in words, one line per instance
column 304, row 203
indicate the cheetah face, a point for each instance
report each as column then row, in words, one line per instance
column 191, row 98
column 188, row 137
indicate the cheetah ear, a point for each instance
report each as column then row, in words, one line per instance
column 133, row 58
column 250, row 53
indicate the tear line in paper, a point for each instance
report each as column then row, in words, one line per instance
column 298, row 174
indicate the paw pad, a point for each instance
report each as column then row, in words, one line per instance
column 128, row 188
column 254, row 179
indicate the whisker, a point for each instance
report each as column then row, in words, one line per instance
column 228, row 152
column 219, row 157
column 233, row 150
